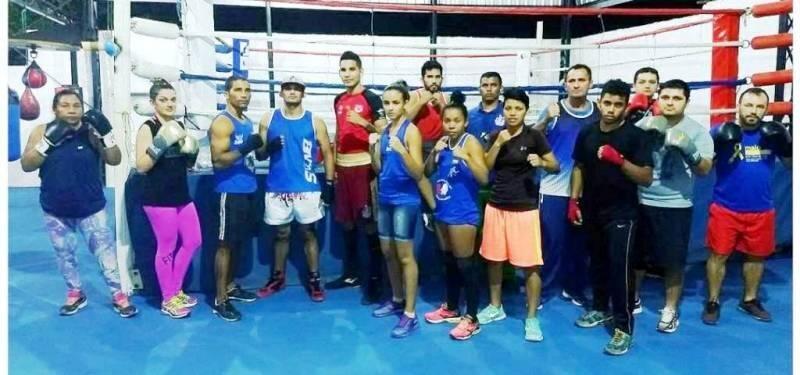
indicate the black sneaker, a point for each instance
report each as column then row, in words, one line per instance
column 711, row 313
column 238, row 294
column 372, row 292
column 226, row 311
column 754, row 309
column 73, row 307
column 343, row 282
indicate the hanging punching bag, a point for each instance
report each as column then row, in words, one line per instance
column 34, row 76
column 28, row 105
column 14, row 151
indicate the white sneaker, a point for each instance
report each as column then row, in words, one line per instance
column 669, row 321
column 491, row 314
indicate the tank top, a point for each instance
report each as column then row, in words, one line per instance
column 456, row 189
column 240, row 177
column 395, row 185
column 429, row 123
column 71, row 183
column 291, row 170
column 561, row 135
column 165, row 184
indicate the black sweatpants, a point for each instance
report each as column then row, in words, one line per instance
column 611, row 268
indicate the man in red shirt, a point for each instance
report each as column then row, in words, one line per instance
column 359, row 113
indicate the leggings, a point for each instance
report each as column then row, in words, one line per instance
column 170, row 223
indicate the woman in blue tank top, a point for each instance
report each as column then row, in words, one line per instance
column 397, row 158
column 459, row 167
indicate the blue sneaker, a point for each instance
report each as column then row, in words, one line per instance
column 388, row 308
column 405, row 326
column 533, row 331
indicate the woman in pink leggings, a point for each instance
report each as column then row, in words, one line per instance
column 163, row 153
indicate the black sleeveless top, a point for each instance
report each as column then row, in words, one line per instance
column 165, row 184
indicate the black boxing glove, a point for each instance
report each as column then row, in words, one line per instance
column 55, row 133
column 776, row 137
column 726, row 136
column 253, row 142
column 100, row 122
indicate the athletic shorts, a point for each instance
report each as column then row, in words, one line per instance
column 514, row 236
column 752, row 233
column 283, row 208
column 353, row 194
column 236, row 216
column 397, row 222
column 662, row 238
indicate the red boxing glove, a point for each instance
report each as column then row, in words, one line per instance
column 655, row 109
column 574, row 212
column 610, row 154
column 639, row 102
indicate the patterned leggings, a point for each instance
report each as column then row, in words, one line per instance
column 101, row 243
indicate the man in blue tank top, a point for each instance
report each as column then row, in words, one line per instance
column 565, row 258
column 233, row 141
column 487, row 117
column 293, row 137
column 67, row 152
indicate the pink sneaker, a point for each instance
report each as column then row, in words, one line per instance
column 441, row 315
column 465, row 329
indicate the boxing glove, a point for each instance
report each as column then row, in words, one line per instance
column 776, row 137
column 327, row 192
column 55, row 133
column 252, row 142
column 99, row 122
column 655, row 125
column 609, row 154
column 639, row 102
column 190, row 148
column 655, row 109
column 726, row 136
column 170, row 133
column 678, row 139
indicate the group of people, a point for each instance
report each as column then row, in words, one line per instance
column 588, row 195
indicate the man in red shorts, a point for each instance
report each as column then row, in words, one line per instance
column 359, row 112
column 742, row 213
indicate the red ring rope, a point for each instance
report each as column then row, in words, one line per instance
column 771, row 41
column 772, row 78
column 772, row 9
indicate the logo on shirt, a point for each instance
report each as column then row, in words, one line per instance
column 499, row 120
column 523, row 149
column 443, row 189
column 238, row 139
column 358, row 108
column 308, row 162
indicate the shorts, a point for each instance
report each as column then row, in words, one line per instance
column 236, row 212
column 662, row 238
column 512, row 235
column 397, row 222
column 353, row 195
column 752, row 233
column 283, row 208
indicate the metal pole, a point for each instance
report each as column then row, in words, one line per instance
column 566, row 38
column 270, row 60
column 433, row 30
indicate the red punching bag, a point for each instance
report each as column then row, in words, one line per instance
column 28, row 106
column 34, row 76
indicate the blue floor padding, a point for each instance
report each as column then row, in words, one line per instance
column 289, row 334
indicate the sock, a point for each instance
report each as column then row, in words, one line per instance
column 350, row 260
column 452, row 281
column 376, row 261
column 411, row 315
column 313, row 277
column 469, row 274
column 397, row 301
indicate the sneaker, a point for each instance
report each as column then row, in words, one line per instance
column 669, row 321
column 405, row 326
column 755, row 309
column 174, row 308
column 533, row 331
column 236, row 293
column 711, row 313
column 226, row 311
column 620, row 343
column 637, row 306
column 274, row 285
column 343, row 282
column 427, row 220
column 123, row 306
column 466, row 328
column 592, row 318
column 315, row 290
column 372, row 292
column 442, row 314
column 388, row 308
column 186, row 300
column 76, row 300
column 577, row 299
column 491, row 314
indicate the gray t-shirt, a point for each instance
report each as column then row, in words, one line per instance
column 673, row 179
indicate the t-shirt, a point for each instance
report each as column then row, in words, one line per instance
column 607, row 193
column 744, row 174
column 352, row 141
column 482, row 123
column 514, row 186
column 561, row 133
column 673, row 179
column 429, row 122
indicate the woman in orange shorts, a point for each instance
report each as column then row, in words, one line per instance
column 511, row 229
